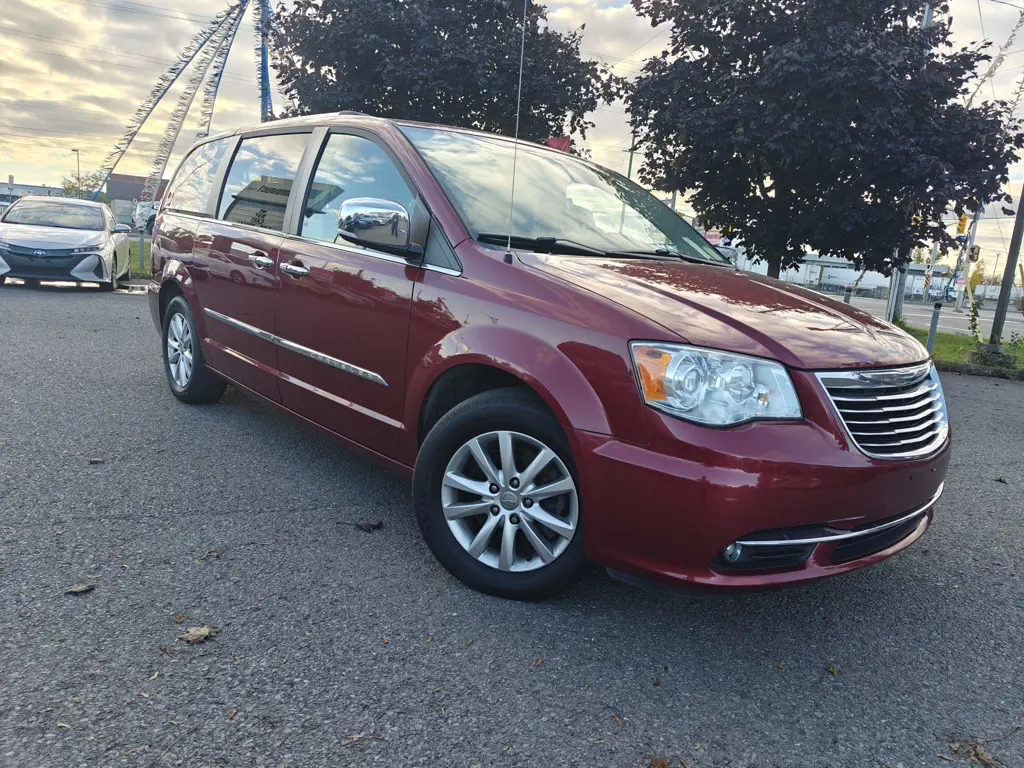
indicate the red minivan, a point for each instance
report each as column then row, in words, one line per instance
column 601, row 384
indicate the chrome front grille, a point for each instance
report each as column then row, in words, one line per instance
column 899, row 413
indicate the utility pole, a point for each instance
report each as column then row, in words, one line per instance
column 967, row 259
column 78, row 160
column 629, row 175
column 1008, row 274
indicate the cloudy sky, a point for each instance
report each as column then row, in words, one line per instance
column 72, row 73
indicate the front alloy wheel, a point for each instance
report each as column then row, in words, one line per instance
column 189, row 378
column 509, row 501
column 496, row 496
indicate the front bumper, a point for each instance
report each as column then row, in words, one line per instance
column 665, row 511
column 90, row 267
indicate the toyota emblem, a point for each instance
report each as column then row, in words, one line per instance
column 38, row 253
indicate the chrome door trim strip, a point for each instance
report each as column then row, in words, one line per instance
column 341, row 401
column 291, row 346
column 849, row 534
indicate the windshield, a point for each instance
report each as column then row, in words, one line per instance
column 46, row 213
column 557, row 196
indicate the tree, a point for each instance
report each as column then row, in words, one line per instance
column 90, row 183
column 920, row 256
column 454, row 62
column 977, row 275
column 829, row 124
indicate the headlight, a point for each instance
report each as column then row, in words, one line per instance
column 711, row 387
column 88, row 248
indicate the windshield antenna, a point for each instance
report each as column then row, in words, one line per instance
column 515, row 146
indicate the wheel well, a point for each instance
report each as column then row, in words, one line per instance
column 168, row 291
column 461, row 383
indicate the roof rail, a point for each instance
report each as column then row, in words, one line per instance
column 352, row 112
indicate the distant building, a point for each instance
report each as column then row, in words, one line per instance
column 11, row 192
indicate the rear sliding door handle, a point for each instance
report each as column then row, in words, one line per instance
column 260, row 260
column 296, row 270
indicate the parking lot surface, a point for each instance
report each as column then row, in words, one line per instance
column 340, row 647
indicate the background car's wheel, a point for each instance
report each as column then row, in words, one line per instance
column 496, row 496
column 189, row 378
column 31, row 282
column 127, row 276
column 3, row 279
column 112, row 283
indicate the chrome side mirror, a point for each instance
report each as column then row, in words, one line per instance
column 121, row 228
column 373, row 222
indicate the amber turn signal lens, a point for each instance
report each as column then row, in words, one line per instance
column 653, row 366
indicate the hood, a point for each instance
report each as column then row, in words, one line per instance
column 735, row 311
column 30, row 236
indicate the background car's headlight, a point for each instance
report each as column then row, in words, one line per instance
column 88, row 248
column 712, row 387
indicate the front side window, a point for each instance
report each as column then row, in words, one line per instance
column 193, row 183
column 46, row 213
column 260, row 180
column 558, row 197
column 351, row 166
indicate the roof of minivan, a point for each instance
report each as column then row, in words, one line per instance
column 355, row 118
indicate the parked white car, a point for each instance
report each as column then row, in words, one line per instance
column 45, row 238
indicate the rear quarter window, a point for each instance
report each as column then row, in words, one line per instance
column 192, row 185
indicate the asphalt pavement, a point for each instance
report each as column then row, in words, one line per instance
column 338, row 647
column 920, row 316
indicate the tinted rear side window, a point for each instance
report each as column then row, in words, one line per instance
column 260, row 180
column 351, row 166
column 190, row 190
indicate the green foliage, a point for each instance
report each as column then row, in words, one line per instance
column 90, row 182
column 841, row 126
column 454, row 62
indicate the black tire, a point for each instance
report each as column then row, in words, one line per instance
column 3, row 279
column 112, row 284
column 31, row 282
column 514, row 409
column 203, row 386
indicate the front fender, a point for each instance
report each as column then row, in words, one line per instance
column 554, row 373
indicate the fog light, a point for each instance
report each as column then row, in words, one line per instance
column 733, row 552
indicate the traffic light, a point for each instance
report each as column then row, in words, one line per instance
column 961, row 225
column 975, row 252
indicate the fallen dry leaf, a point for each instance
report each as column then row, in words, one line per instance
column 80, row 589
column 617, row 720
column 833, row 670
column 232, row 713
column 1001, row 480
column 659, row 762
column 195, row 635
column 179, row 618
column 143, row 694
column 974, row 751
column 469, row 643
column 351, row 739
column 370, row 527
column 657, row 682
column 430, row 639
column 781, row 665
column 539, row 662
column 63, row 725
column 385, row 641
column 154, row 676
column 97, row 461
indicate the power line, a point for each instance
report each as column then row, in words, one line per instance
column 71, row 44
column 233, row 79
column 125, row 9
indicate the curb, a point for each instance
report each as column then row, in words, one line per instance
column 980, row 370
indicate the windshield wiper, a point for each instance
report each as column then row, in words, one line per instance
column 663, row 252
column 542, row 244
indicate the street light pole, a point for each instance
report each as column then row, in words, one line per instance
column 78, row 160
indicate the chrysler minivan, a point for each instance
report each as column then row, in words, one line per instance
column 571, row 373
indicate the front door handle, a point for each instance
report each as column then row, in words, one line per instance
column 260, row 260
column 296, row 270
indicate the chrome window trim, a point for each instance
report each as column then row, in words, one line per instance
column 850, row 534
column 364, row 251
column 291, row 346
column 893, row 377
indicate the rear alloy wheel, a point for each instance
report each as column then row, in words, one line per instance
column 497, row 498
column 189, row 378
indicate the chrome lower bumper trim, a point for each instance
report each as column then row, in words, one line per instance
column 846, row 535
